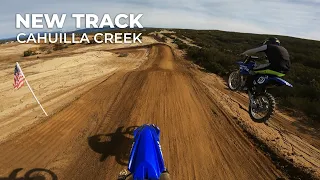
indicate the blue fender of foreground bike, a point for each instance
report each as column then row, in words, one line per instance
column 146, row 159
column 280, row 81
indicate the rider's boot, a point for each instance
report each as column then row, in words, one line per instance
column 249, row 83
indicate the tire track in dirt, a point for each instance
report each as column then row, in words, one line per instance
column 88, row 139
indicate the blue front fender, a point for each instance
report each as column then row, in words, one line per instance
column 146, row 160
column 280, row 81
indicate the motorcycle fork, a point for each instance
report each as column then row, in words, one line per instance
column 252, row 102
column 243, row 80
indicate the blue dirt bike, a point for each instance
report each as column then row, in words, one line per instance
column 146, row 160
column 262, row 103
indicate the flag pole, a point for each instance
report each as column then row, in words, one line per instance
column 31, row 89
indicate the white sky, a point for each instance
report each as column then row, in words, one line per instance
column 298, row 18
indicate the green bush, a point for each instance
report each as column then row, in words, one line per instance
column 309, row 107
column 57, row 47
column 158, row 38
column 28, row 53
column 43, row 48
column 181, row 45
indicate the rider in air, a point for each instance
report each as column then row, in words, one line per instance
column 278, row 59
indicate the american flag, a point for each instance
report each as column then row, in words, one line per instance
column 18, row 78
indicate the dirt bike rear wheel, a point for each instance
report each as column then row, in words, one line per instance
column 268, row 101
column 234, row 81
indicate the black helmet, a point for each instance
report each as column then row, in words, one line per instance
column 272, row 40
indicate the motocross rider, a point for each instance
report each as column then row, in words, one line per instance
column 278, row 60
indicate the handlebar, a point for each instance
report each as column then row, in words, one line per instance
column 250, row 58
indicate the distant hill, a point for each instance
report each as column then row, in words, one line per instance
column 93, row 30
column 105, row 29
column 7, row 40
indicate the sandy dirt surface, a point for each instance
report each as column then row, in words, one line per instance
column 92, row 116
column 185, row 40
column 15, row 48
column 13, row 52
column 56, row 82
column 285, row 135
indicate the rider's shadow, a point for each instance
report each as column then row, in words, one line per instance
column 33, row 174
column 116, row 144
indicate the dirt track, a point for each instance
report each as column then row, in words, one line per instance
column 90, row 138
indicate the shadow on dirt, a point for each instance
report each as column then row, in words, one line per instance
column 116, row 144
column 33, row 174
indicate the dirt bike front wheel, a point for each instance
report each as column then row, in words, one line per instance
column 262, row 108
